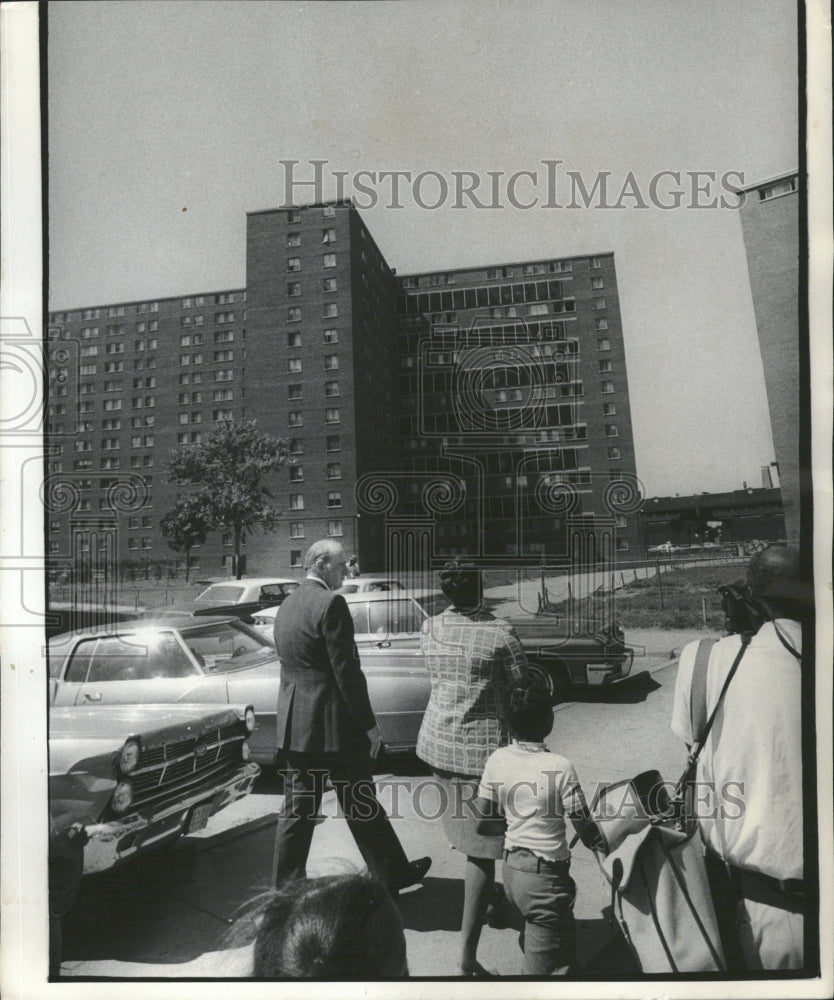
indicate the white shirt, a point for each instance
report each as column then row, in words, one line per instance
column 753, row 753
column 535, row 790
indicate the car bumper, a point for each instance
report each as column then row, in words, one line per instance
column 598, row 674
column 116, row 841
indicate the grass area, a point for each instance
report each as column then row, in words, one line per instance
column 687, row 594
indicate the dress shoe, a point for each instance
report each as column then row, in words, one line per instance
column 414, row 872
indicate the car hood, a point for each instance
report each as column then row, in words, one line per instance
column 107, row 723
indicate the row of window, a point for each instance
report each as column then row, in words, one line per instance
column 327, row 260
column 295, row 418
column 330, row 310
column 329, row 336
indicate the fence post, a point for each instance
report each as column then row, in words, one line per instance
column 704, row 609
column 660, row 584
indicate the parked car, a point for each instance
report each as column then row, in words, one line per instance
column 241, row 598
column 564, row 655
column 666, row 547
column 218, row 660
column 365, row 584
column 139, row 776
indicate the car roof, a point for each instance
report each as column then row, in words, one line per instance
column 252, row 581
column 181, row 623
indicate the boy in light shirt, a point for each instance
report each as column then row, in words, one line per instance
column 529, row 792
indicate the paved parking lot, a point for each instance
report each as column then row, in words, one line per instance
column 172, row 915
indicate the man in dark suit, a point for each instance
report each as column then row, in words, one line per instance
column 327, row 728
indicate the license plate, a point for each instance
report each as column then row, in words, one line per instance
column 199, row 817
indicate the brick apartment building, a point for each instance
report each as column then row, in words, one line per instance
column 481, row 411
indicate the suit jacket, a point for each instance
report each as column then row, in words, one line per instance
column 323, row 704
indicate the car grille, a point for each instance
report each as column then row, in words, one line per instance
column 177, row 768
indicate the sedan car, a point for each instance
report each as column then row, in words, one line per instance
column 563, row 656
column 241, row 598
column 219, row 660
column 138, row 776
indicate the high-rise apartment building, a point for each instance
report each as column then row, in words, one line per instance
column 482, row 408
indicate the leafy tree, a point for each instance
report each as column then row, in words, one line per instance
column 187, row 524
column 228, row 471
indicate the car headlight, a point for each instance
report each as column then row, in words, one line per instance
column 249, row 719
column 122, row 797
column 244, row 750
column 129, row 757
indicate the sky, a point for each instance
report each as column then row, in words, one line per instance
column 168, row 121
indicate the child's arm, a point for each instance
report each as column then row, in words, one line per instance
column 587, row 830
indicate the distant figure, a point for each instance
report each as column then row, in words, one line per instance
column 754, row 853
column 473, row 659
column 353, row 567
column 326, row 727
column 334, row 927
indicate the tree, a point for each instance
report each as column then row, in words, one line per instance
column 228, row 470
column 187, row 524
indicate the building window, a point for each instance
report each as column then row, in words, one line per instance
column 328, row 260
column 294, row 215
column 329, row 285
column 294, row 390
column 609, row 409
column 613, row 453
column 293, row 288
column 607, row 387
column 328, row 211
column 603, row 344
column 296, row 501
column 296, row 474
column 296, row 529
column 599, row 303
column 293, row 239
column 219, row 415
column 328, row 235
column 778, row 188
column 331, row 415
column 293, row 263
column 597, row 283
column 334, row 470
column 331, row 362
column 334, row 499
column 537, row 309
column 224, row 317
column 334, row 528
column 295, row 558
column 595, row 262
column 294, row 339
column 227, row 355
column 294, row 418
column 605, row 365
column 294, row 365
column 223, row 375
column 611, row 430
column 331, row 388
column 334, row 443
column 330, row 310
column 296, row 446
column 294, row 314
column 600, row 324
column 331, row 336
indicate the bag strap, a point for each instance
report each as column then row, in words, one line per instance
column 698, row 745
column 698, row 693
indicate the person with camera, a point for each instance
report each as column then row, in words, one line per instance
column 753, row 754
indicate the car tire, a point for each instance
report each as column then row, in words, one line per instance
column 555, row 677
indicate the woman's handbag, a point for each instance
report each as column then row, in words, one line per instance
column 654, row 861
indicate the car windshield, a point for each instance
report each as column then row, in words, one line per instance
column 225, row 646
column 221, row 594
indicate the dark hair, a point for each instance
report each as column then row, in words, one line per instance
column 775, row 579
column 461, row 584
column 528, row 709
column 334, row 927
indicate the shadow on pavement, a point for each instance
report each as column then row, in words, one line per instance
column 630, row 691
column 172, row 905
column 610, row 956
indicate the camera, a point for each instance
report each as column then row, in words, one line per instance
column 742, row 611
